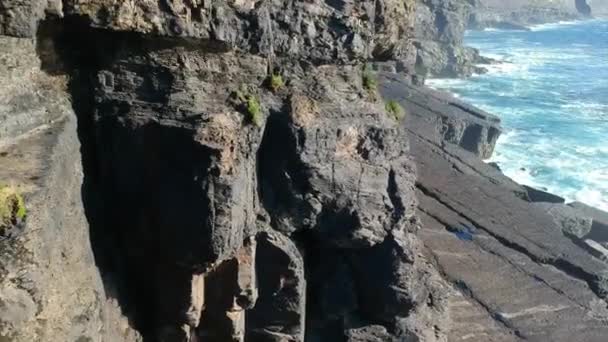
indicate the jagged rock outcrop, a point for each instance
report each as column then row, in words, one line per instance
column 447, row 120
column 217, row 208
column 439, row 39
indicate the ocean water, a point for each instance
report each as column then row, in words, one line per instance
column 551, row 92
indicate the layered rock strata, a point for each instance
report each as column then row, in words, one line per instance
column 50, row 287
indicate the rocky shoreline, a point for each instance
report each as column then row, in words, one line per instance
column 439, row 39
column 234, row 171
column 492, row 237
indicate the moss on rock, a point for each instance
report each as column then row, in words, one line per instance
column 395, row 110
column 12, row 207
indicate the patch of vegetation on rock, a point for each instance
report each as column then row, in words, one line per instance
column 369, row 81
column 254, row 110
column 12, row 208
column 276, row 82
column 250, row 104
column 394, row 109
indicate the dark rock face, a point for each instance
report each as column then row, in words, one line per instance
column 583, row 7
column 320, row 170
column 439, row 36
column 327, row 31
column 50, row 287
column 281, row 309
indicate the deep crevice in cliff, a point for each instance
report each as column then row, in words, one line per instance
column 281, row 176
column 68, row 46
column 135, row 186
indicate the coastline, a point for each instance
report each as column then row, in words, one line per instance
column 475, row 220
column 502, row 71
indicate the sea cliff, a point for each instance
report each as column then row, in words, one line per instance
column 268, row 171
column 439, row 33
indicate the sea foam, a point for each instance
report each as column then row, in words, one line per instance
column 551, row 91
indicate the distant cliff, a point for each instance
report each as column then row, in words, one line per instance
column 523, row 13
column 439, row 35
column 441, row 25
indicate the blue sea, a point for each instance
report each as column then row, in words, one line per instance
column 551, row 92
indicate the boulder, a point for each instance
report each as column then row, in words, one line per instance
column 568, row 219
column 599, row 227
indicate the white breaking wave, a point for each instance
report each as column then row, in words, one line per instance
column 505, row 68
column 553, row 26
column 592, row 197
column 550, row 91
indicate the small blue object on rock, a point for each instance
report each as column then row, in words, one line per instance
column 464, row 232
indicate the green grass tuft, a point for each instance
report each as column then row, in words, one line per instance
column 12, row 207
column 276, row 82
column 395, row 110
column 369, row 81
column 254, row 110
column 249, row 105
